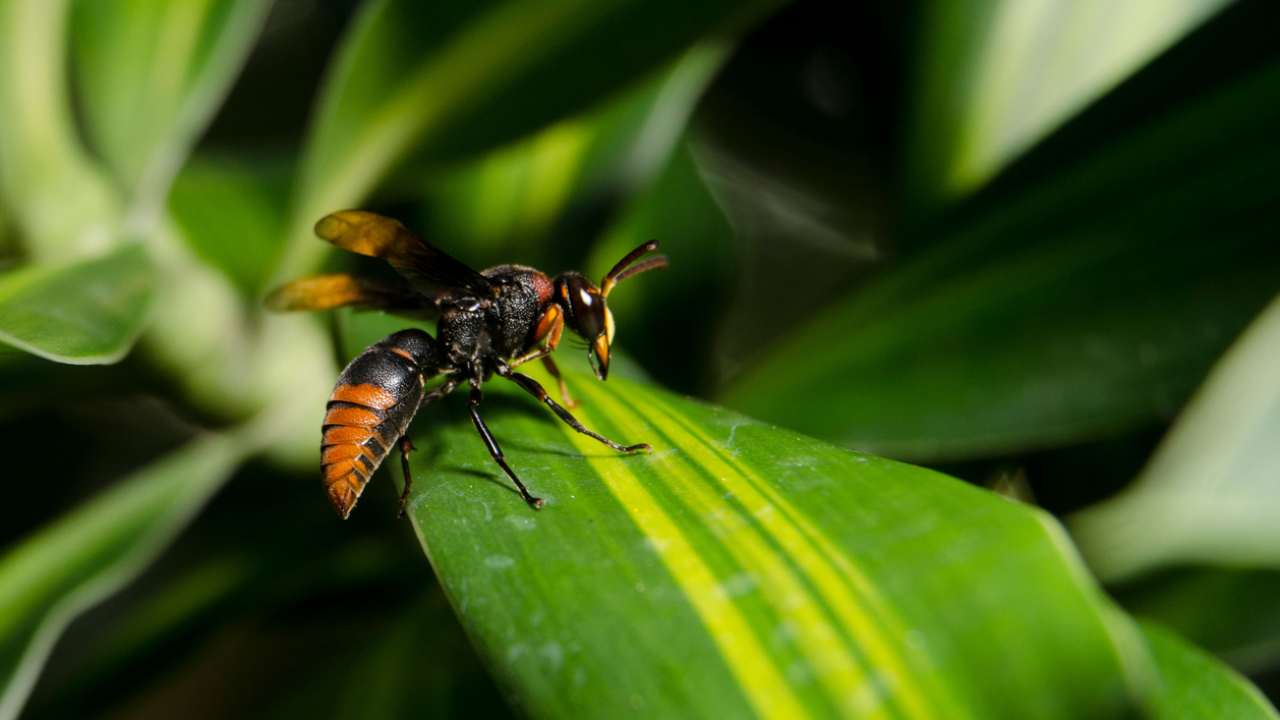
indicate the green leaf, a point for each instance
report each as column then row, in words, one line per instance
column 747, row 569
column 1195, row 685
column 231, row 213
column 1230, row 612
column 55, row 574
column 1211, row 486
column 151, row 74
column 996, row 77
column 1088, row 302
column 677, row 210
column 585, row 166
column 63, row 207
column 84, row 313
column 440, row 81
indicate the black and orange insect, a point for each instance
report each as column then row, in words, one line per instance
column 490, row 322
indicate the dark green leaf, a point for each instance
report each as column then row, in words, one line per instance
column 1229, row 612
column 1211, row 486
column 566, row 181
column 85, row 313
column 1088, row 302
column 675, row 309
column 52, row 576
column 232, row 214
column 1194, row 685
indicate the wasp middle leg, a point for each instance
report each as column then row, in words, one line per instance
column 495, row 450
column 534, row 388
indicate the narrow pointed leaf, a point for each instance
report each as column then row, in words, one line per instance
column 152, row 73
column 84, row 313
column 1086, row 302
column 570, row 178
column 1213, row 487
column 1230, row 612
column 743, row 569
column 1195, row 685
column 54, row 575
column 63, row 206
column 996, row 77
column 434, row 81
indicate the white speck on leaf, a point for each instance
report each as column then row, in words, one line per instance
column 521, row 522
column 499, row 562
column 554, row 656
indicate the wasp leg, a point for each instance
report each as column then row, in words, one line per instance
column 550, row 364
column 406, row 446
column 495, row 451
column 532, row 387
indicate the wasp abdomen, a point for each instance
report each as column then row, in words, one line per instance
column 371, row 407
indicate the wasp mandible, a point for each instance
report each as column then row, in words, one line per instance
column 490, row 322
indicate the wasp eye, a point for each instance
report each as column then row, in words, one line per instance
column 586, row 307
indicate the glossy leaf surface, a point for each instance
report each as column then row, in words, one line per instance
column 746, row 569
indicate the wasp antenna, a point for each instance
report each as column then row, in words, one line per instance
column 620, row 270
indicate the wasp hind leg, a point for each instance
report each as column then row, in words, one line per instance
column 495, row 450
column 534, row 388
column 406, row 447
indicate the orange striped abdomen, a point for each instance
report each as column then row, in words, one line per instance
column 370, row 409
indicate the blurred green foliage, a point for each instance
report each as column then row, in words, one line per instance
column 1021, row 238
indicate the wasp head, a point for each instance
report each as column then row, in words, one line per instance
column 585, row 305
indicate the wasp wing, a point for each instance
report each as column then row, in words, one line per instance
column 325, row 292
column 429, row 269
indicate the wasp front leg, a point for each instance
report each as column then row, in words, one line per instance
column 534, row 388
column 548, row 328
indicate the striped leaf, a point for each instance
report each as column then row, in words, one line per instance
column 741, row 569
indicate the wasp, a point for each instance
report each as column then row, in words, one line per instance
column 489, row 323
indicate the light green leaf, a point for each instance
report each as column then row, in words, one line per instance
column 1213, row 486
column 55, row 574
column 440, row 81
column 151, row 75
column 84, row 313
column 1088, row 302
column 63, row 207
column 996, row 77
column 1195, row 685
column 745, row 569
column 585, row 165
